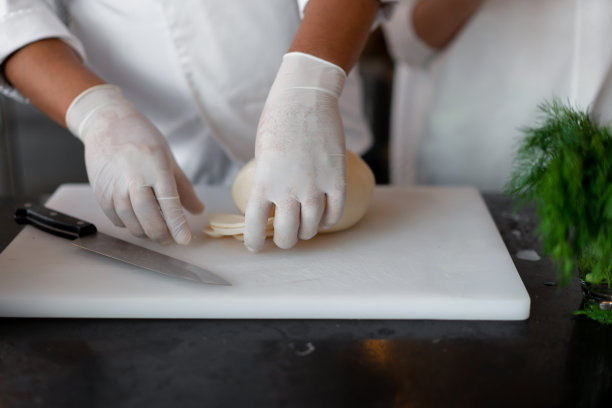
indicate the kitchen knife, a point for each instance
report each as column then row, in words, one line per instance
column 86, row 236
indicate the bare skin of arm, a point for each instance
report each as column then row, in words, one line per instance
column 437, row 22
column 50, row 74
column 335, row 31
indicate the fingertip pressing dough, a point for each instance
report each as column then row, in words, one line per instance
column 360, row 184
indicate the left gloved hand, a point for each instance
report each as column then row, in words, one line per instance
column 300, row 154
column 130, row 166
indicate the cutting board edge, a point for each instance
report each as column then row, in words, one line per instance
column 522, row 314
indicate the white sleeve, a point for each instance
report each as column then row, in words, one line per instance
column 403, row 43
column 384, row 12
column 25, row 21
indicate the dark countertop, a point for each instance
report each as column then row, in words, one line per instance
column 553, row 359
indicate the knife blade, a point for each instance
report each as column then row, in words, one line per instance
column 85, row 235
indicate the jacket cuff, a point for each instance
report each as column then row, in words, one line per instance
column 403, row 42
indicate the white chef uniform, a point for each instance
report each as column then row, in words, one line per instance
column 199, row 70
column 458, row 113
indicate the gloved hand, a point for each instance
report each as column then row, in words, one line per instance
column 300, row 154
column 130, row 167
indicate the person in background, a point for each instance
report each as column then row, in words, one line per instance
column 469, row 74
column 166, row 94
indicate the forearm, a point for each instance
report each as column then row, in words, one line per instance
column 50, row 74
column 335, row 30
column 437, row 22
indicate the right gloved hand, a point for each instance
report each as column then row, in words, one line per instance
column 130, row 167
column 300, row 152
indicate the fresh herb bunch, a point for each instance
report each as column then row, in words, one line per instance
column 565, row 167
column 592, row 310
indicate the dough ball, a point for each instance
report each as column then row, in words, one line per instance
column 359, row 188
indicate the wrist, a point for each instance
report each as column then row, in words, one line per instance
column 305, row 71
column 90, row 101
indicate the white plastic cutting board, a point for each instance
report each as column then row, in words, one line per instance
column 419, row 253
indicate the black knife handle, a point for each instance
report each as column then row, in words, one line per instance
column 53, row 222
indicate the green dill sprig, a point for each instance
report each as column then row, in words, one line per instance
column 592, row 311
column 564, row 166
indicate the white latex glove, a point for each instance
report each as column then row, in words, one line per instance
column 130, row 167
column 300, row 154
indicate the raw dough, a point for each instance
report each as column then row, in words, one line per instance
column 227, row 224
column 226, row 221
column 359, row 188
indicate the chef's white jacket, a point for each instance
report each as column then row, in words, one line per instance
column 199, row 70
column 458, row 113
